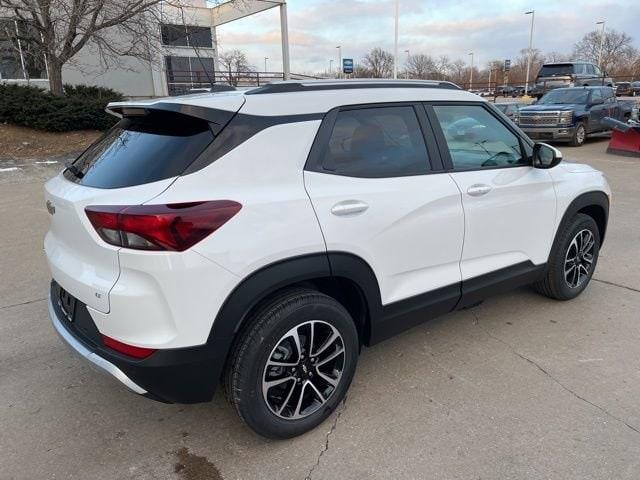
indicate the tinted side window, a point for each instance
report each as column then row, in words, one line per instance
column 142, row 150
column 476, row 139
column 596, row 95
column 376, row 142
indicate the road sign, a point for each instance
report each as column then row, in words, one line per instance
column 507, row 65
column 347, row 65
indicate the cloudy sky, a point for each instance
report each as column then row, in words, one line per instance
column 493, row 29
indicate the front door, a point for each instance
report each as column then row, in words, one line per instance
column 509, row 206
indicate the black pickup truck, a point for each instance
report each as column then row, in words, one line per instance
column 570, row 114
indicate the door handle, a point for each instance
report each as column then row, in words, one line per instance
column 478, row 190
column 349, row 207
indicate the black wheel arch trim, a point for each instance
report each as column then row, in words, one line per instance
column 595, row 198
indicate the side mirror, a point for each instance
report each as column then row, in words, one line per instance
column 546, row 156
column 597, row 101
column 533, row 102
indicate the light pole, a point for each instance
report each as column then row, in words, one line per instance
column 339, row 47
column 471, row 72
column 330, row 66
column 265, row 63
column 526, row 82
column 395, row 44
column 601, row 44
column 408, row 59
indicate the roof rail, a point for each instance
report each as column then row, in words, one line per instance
column 317, row 85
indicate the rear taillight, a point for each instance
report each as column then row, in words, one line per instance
column 175, row 227
column 128, row 350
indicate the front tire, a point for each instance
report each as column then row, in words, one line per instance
column 573, row 260
column 579, row 135
column 293, row 364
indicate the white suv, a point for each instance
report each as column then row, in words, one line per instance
column 263, row 237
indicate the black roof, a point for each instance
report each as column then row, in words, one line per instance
column 316, row 85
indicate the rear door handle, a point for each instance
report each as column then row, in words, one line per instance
column 349, row 207
column 478, row 190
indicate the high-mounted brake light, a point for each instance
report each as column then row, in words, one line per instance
column 174, row 227
column 125, row 349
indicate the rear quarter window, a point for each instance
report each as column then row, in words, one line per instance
column 142, row 150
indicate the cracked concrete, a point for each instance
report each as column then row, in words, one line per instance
column 339, row 411
column 520, row 387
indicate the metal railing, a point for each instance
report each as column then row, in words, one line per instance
column 180, row 82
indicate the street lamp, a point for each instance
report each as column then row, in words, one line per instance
column 408, row 58
column 265, row 63
column 526, row 83
column 339, row 47
column 330, row 66
column 471, row 72
column 601, row 44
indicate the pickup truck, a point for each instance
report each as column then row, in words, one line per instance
column 570, row 114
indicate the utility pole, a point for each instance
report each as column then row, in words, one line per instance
column 339, row 67
column 265, row 64
column 330, row 66
column 526, row 83
column 395, row 44
column 471, row 72
column 408, row 59
column 601, row 43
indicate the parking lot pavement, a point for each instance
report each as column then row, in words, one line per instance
column 520, row 387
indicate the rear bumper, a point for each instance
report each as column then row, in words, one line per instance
column 182, row 375
column 549, row 133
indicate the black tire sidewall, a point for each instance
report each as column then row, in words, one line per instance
column 250, row 369
column 579, row 222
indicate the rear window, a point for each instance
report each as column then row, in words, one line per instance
column 141, row 150
column 556, row 70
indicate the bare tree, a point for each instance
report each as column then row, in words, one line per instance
column 234, row 64
column 458, row 72
column 617, row 49
column 378, row 63
column 422, row 66
column 556, row 57
column 443, row 66
column 116, row 28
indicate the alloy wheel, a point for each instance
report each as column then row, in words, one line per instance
column 303, row 370
column 578, row 260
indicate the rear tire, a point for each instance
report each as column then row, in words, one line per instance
column 282, row 387
column 573, row 260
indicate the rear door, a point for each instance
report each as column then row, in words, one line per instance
column 509, row 206
column 379, row 192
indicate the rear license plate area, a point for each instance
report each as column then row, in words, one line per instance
column 67, row 304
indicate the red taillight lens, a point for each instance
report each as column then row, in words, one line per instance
column 128, row 350
column 174, row 227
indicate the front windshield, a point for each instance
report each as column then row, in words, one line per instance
column 565, row 97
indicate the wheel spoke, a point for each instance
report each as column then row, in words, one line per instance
column 566, row 272
column 296, row 412
column 296, row 340
column 286, row 400
column 327, row 344
column 272, row 383
column 339, row 351
column 315, row 389
column 331, row 381
column 312, row 328
column 273, row 363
